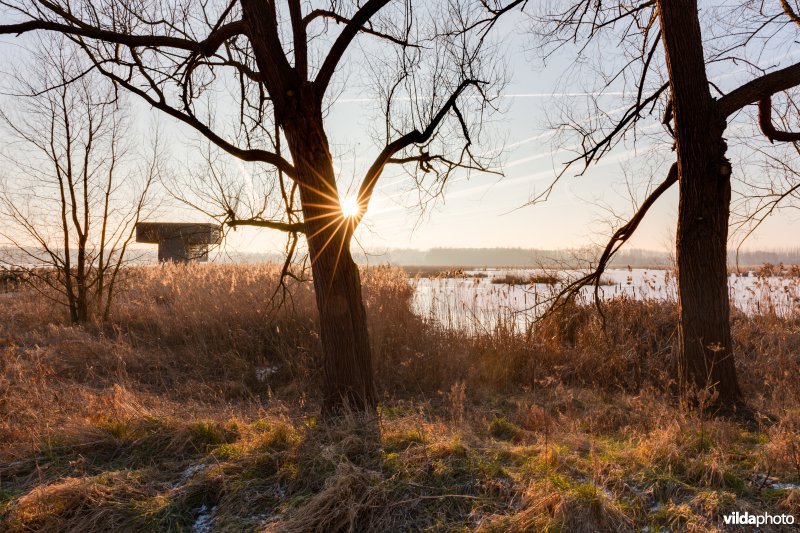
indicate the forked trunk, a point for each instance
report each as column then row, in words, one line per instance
column 347, row 357
column 705, row 348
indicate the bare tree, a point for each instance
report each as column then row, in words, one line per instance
column 663, row 65
column 69, row 200
column 275, row 63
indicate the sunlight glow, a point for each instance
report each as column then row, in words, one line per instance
column 349, row 206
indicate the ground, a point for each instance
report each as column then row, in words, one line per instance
column 194, row 409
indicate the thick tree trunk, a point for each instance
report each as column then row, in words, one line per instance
column 347, row 364
column 704, row 335
column 347, row 357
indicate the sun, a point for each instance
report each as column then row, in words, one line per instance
column 349, row 206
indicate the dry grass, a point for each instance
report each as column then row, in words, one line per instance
column 191, row 410
column 518, row 279
column 768, row 269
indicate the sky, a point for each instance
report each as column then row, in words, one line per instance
column 488, row 210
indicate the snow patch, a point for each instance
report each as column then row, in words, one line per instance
column 205, row 520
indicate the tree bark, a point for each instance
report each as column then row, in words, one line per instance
column 705, row 356
column 347, row 357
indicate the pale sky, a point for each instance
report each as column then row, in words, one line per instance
column 488, row 210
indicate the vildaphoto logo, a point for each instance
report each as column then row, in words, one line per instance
column 746, row 519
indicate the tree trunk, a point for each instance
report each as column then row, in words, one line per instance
column 347, row 357
column 704, row 335
column 82, row 300
column 347, row 363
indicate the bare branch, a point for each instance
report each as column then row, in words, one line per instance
column 297, row 227
column 332, row 15
column 765, row 123
column 413, row 137
column 758, row 89
column 619, row 238
column 206, row 47
column 790, row 12
column 253, row 155
column 300, row 39
column 342, row 43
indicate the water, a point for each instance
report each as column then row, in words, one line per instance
column 474, row 302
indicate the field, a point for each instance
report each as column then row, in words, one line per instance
column 193, row 409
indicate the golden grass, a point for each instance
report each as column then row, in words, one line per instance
column 194, row 407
